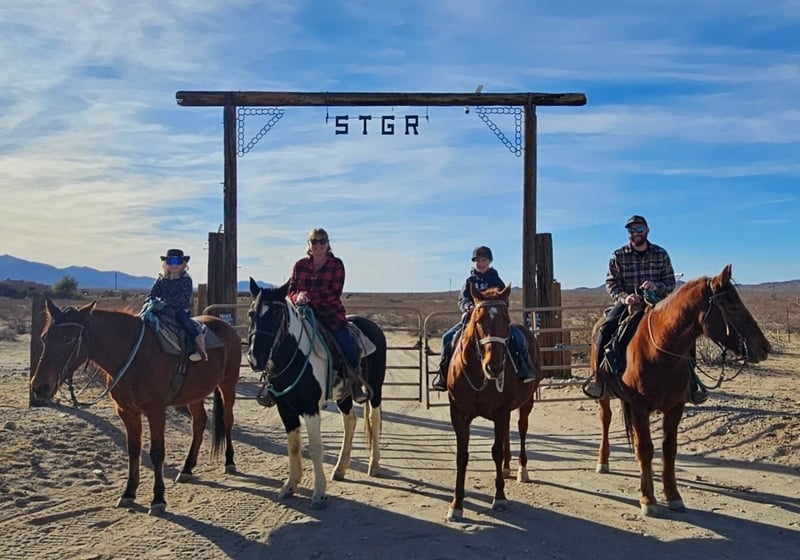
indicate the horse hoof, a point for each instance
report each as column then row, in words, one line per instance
column 338, row 476
column 319, row 503
column 285, row 492
column 230, row 469
column 522, row 475
column 506, row 473
column 157, row 509
column 676, row 505
column 650, row 510
column 374, row 470
column 602, row 468
column 499, row 505
column 454, row 514
column 125, row 502
column 183, row 477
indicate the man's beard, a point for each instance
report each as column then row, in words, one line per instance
column 639, row 242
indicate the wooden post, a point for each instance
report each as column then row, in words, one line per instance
column 37, row 326
column 202, row 298
column 231, row 267
column 529, row 252
column 215, row 273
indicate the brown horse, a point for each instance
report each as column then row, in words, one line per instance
column 481, row 382
column 658, row 372
column 139, row 379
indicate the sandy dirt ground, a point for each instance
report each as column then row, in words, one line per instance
column 62, row 470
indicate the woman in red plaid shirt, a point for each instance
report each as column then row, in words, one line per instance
column 318, row 280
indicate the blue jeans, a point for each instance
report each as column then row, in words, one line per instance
column 348, row 345
column 182, row 316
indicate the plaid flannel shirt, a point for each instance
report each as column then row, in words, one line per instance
column 324, row 288
column 628, row 268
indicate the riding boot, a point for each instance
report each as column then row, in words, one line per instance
column 200, row 349
column 440, row 381
column 524, row 371
column 697, row 393
column 359, row 388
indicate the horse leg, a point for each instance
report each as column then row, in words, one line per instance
column 223, row 405
column 460, row 424
column 506, row 468
column 501, row 429
column 199, row 418
column 672, row 419
column 157, row 420
column 313, row 425
column 643, row 446
column 133, row 434
column 349, row 428
column 295, row 463
column 605, row 448
column 522, row 425
column 372, row 432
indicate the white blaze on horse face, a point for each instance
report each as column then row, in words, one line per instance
column 493, row 311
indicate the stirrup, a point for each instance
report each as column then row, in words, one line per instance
column 359, row 395
column 594, row 389
column 698, row 396
column 265, row 397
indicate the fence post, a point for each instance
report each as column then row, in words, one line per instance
column 37, row 326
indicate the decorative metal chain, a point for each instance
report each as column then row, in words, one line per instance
column 242, row 112
column 513, row 147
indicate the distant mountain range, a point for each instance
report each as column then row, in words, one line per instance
column 12, row 268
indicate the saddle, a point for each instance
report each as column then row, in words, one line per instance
column 172, row 337
column 614, row 358
column 364, row 345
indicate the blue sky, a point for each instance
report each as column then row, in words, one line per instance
column 693, row 120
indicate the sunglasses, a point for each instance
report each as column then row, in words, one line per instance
column 636, row 229
column 318, row 241
column 174, row 260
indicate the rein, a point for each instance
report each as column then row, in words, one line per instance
column 712, row 304
column 62, row 376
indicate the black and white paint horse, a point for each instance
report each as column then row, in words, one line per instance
column 292, row 351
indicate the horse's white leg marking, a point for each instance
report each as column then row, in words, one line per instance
column 372, row 430
column 349, row 428
column 313, row 426
column 295, row 463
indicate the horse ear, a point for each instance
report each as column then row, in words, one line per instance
column 88, row 308
column 723, row 278
column 506, row 292
column 283, row 290
column 52, row 308
column 473, row 292
column 254, row 287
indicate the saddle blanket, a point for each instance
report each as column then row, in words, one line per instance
column 364, row 344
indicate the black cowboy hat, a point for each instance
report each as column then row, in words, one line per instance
column 482, row 252
column 176, row 253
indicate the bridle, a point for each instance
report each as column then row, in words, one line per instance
column 65, row 373
column 479, row 343
column 713, row 303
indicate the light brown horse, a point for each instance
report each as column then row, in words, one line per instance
column 139, row 378
column 481, row 381
column 657, row 374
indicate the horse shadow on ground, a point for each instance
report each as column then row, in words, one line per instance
column 350, row 529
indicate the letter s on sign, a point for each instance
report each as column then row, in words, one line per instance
column 342, row 127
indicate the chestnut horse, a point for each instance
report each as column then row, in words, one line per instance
column 139, row 378
column 481, row 381
column 290, row 350
column 658, row 372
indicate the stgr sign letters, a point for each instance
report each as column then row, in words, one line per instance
column 409, row 124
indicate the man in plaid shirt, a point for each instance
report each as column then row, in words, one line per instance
column 634, row 268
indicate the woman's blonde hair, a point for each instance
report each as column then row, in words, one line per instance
column 317, row 233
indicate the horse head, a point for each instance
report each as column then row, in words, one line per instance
column 63, row 350
column 729, row 323
column 488, row 328
column 267, row 319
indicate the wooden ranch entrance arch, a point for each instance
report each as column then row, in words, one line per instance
column 536, row 274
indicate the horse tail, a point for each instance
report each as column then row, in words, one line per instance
column 626, row 415
column 219, row 423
